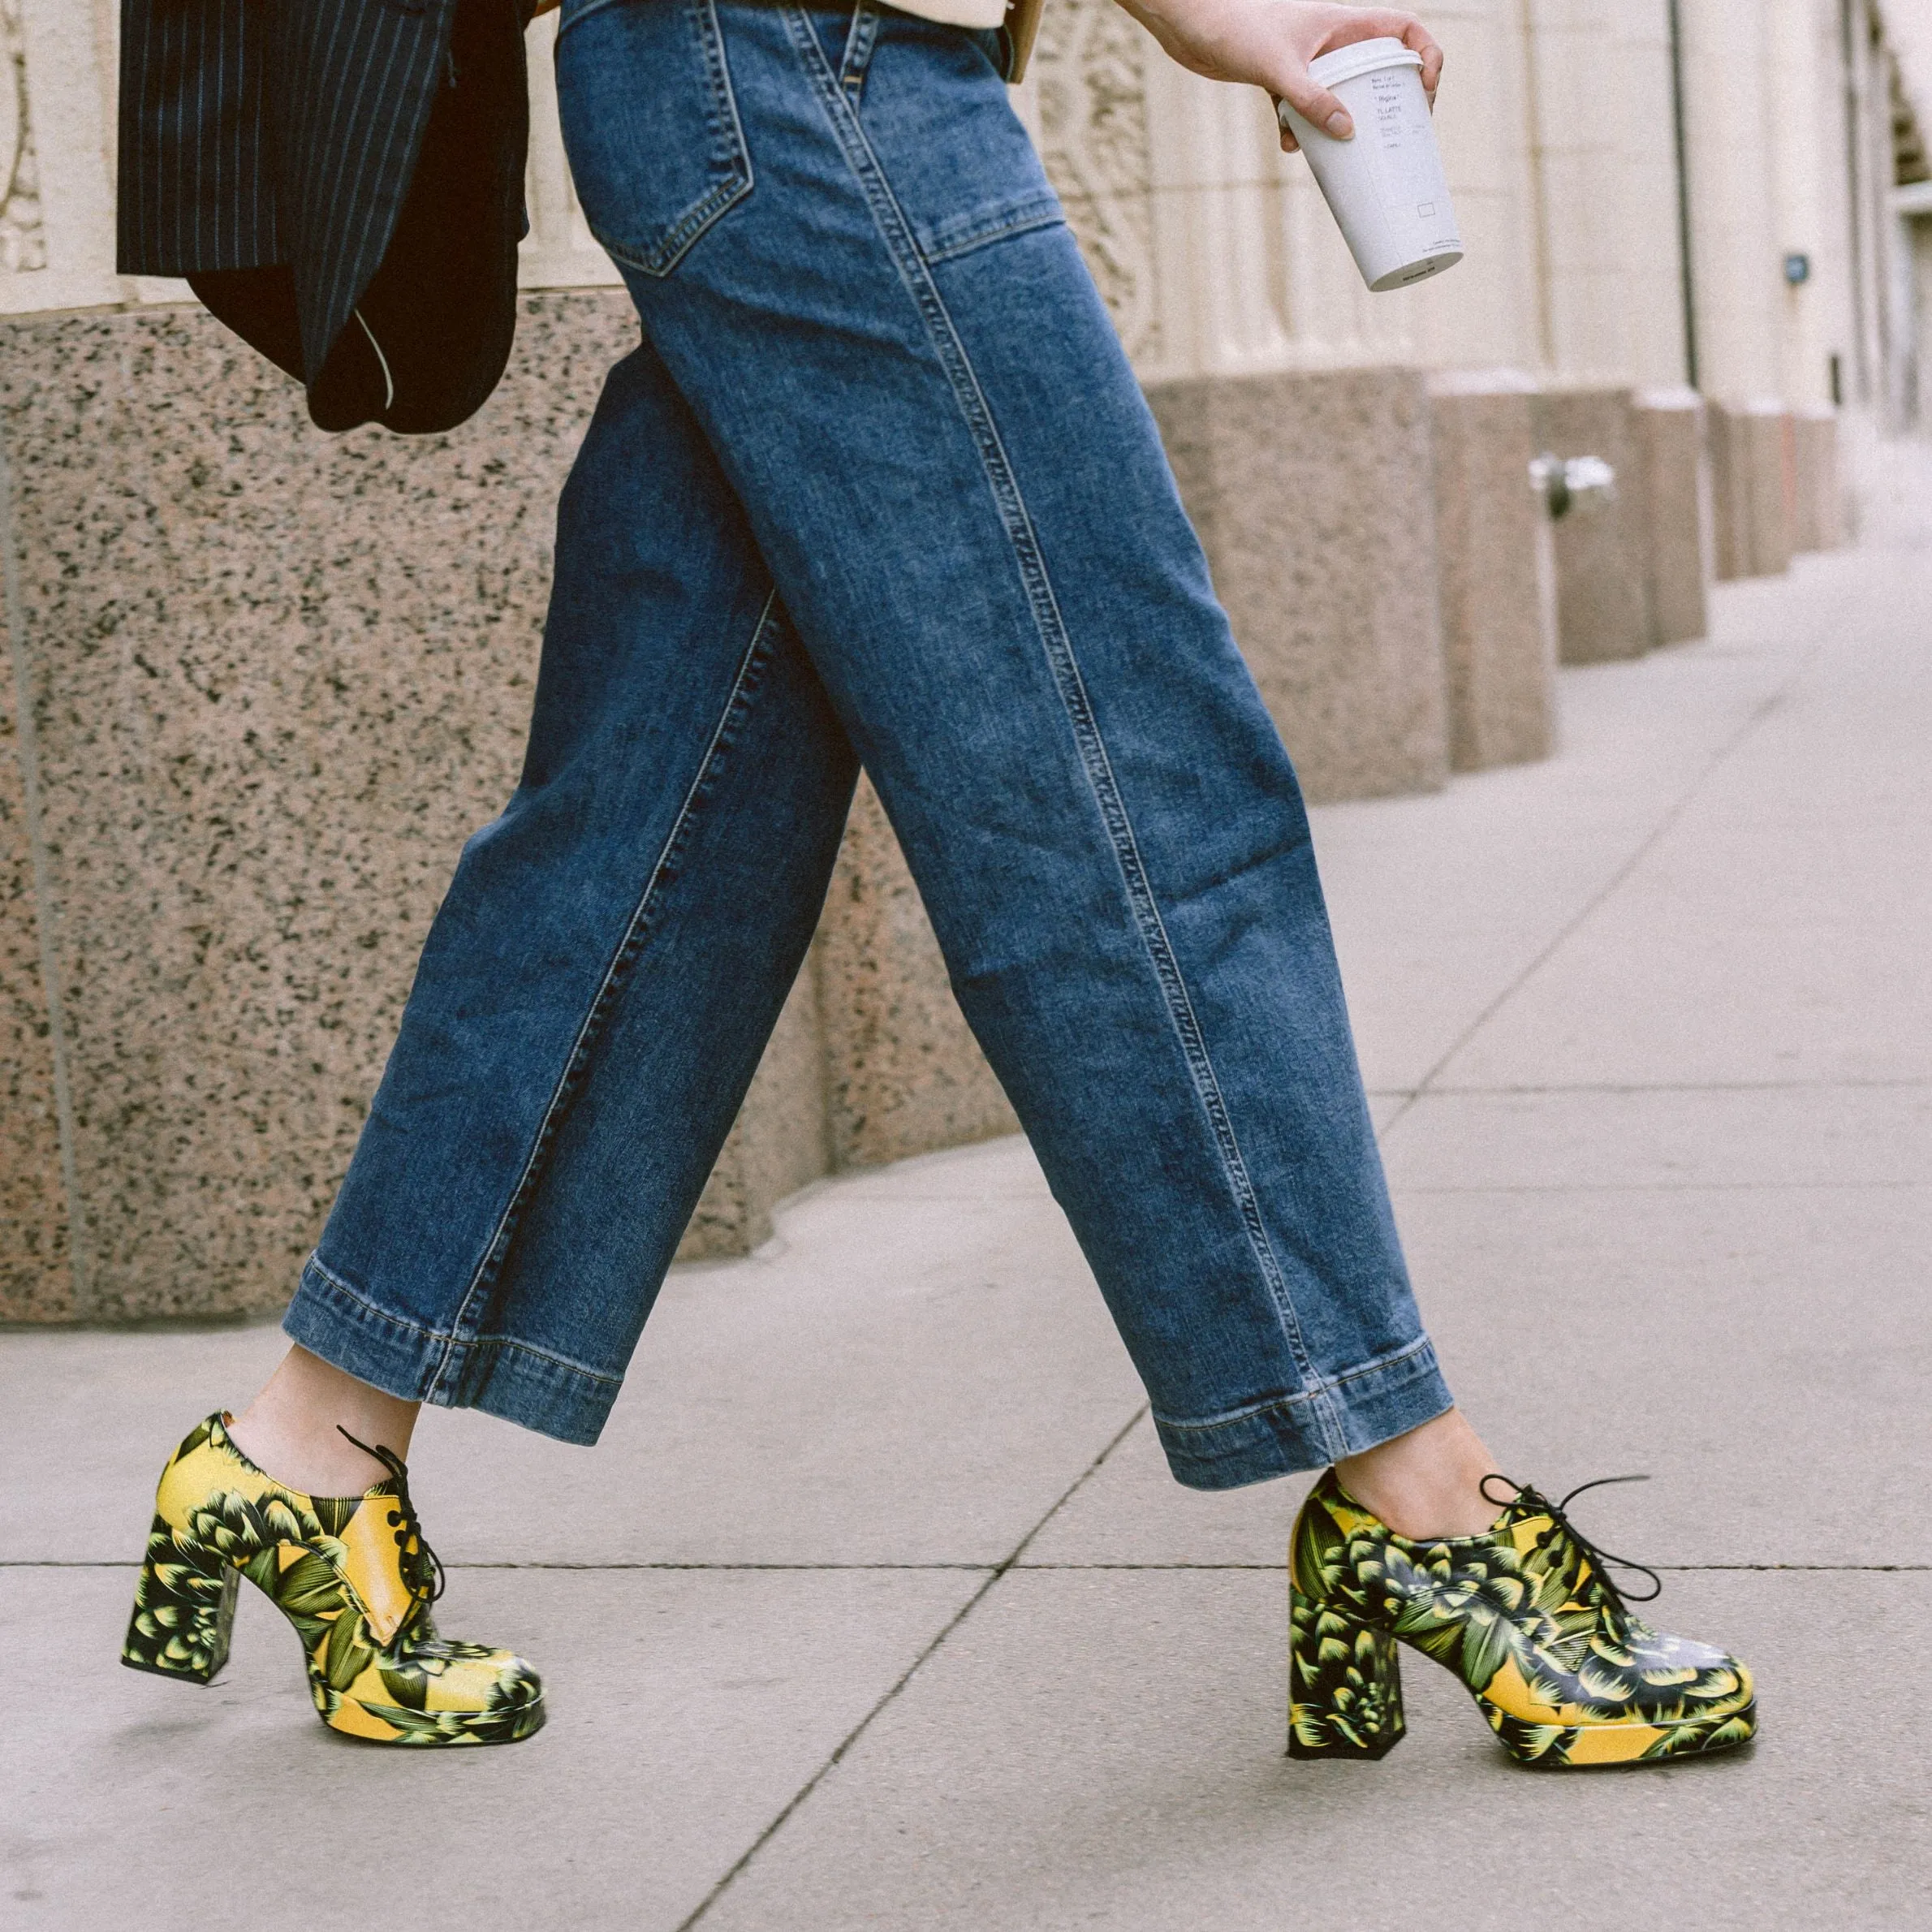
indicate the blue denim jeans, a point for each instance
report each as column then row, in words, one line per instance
column 876, row 487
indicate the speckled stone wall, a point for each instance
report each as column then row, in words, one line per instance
column 1670, row 435
column 1753, row 484
column 36, row 1281
column 273, row 680
column 1496, row 568
column 1602, row 588
column 1314, row 496
column 1818, row 507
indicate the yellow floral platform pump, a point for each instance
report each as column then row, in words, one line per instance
column 1526, row 1614
column 352, row 1574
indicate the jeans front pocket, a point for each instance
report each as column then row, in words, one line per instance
column 650, row 124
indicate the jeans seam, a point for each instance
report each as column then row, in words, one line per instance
column 860, row 38
column 578, row 1058
column 1323, row 1385
column 1043, row 212
column 678, row 242
column 350, row 1293
column 896, row 233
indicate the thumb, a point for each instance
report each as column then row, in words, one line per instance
column 1316, row 105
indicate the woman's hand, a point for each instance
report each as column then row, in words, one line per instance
column 1269, row 43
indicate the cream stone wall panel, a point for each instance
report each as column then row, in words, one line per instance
column 1641, row 194
column 57, row 199
column 276, row 679
column 1669, row 431
column 1602, row 572
column 1496, row 568
column 36, row 1281
column 1314, row 496
column 1575, row 103
column 779, row 1141
column 1085, row 102
column 1734, row 250
column 903, row 1072
column 1818, row 517
column 1806, row 149
column 1214, row 177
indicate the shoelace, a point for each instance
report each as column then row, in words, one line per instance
column 422, row 1569
column 1599, row 1559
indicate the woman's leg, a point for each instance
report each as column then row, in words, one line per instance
column 294, row 1428
column 846, row 255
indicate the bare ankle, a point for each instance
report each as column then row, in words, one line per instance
column 293, row 1429
column 1428, row 1482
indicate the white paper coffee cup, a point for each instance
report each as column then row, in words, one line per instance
column 1386, row 187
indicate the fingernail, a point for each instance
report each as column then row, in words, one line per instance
column 1340, row 125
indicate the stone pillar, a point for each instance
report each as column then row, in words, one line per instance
column 1496, row 568
column 1677, row 536
column 1313, row 494
column 1602, row 591
column 36, row 1277
column 1818, row 517
column 1751, row 487
column 903, row 1074
column 258, row 729
column 1735, row 248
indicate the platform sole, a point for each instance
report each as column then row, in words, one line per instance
column 1575, row 1747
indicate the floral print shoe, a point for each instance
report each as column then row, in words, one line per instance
column 351, row 1573
column 1526, row 1614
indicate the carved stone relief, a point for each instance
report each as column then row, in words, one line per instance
column 1088, row 66
column 22, row 240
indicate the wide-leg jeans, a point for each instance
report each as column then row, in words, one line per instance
column 877, row 487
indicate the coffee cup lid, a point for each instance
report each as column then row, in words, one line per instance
column 1363, row 57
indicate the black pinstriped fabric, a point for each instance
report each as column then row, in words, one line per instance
column 257, row 133
column 196, row 187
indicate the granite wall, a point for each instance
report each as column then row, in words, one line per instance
column 1668, row 426
column 1603, row 575
column 1314, row 496
column 269, row 682
column 1753, row 487
column 1818, row 517
column 1496, row 571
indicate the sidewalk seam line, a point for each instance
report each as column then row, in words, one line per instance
column 911, row 1669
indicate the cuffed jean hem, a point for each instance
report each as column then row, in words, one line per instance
column 491, row 1373
column 1341, row 1416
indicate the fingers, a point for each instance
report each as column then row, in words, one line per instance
column 1386, row 23
column 1323, row 110
column 1317, row 106
column 1417, row 38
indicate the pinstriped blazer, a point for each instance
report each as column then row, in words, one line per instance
column 341, row 181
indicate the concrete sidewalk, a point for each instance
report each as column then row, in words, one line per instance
column 876, row 1607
